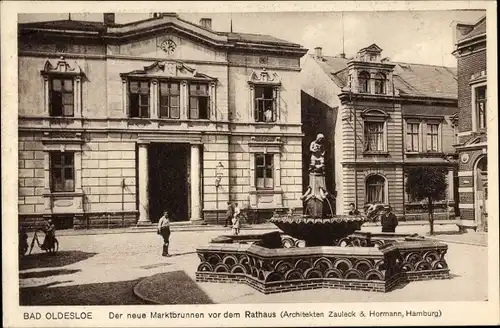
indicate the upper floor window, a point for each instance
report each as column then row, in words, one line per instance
column 62, row 88
column 480, row 105
column 198, row 101
column 265, row 104
column 375, row 189
column 139, row 95
column 380, row 83
column 62, row 171
column 432, row 137
column 169, row 100
column 61, row 97
column 374, row 136
column 264, row 171
column 412, row 137
column 364, row 82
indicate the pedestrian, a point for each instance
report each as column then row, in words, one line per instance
column 389, row 220
column 164, row 231
column 50, row 235
column 236, row 219
column 352, row 209
column 229, row 214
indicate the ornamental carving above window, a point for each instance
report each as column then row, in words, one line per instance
column 264, row 76
column 61, row 66
column 173, row 69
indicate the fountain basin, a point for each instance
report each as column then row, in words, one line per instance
column 319, row 231
column 271, row 269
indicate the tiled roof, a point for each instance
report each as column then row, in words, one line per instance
column 426, row 80
column 257, row 38
column 410, row 79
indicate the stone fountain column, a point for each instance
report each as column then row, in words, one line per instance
column 315, row 201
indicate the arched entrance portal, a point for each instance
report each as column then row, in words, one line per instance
column 481, row 187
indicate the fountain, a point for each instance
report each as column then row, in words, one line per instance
column 319, row 249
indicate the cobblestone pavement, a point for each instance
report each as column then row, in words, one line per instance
column 99, row 259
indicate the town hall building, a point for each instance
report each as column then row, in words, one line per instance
column 119, row 122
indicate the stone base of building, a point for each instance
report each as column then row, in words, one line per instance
column 81, row 221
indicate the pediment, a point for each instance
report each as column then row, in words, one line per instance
column 169, row 69
column 162, row 25
column 264, row 77
column 374, row 113
column 168, row 44
column 372, row 48
column 61, row 66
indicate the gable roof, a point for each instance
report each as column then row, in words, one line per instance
column 410, row 79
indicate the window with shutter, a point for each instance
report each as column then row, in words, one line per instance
column 199, row 101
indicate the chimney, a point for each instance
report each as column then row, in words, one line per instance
column 206, row 23
column 342, row 55
column 109, row 18
column 318, row 52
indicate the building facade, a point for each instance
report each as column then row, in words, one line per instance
column 388, row 117
column 119, row 122
column 472, row 142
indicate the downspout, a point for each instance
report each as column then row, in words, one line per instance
column 355, row 153
column 402, row 143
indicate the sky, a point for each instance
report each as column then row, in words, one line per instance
column 423, row 37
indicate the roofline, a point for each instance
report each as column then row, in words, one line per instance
column 228, row 42
column 391, row 62
column 469, row 39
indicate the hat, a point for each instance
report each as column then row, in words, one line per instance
column 320, row 135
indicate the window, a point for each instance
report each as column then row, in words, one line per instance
column 61, row 97
column 198, row 101
column 264, row 171
column 481, row 107
column 139, row 99
column 374, row 136
column 62, row 171
column 432, row 137
column 364, row 82
column 264, row 104
column 412, row 136
column 380, row 83
column 375, row 189
column 169, row 100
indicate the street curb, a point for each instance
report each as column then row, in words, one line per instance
column 153, row 230
column 183, row 228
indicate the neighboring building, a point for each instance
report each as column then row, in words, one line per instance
column 118, row 122
column 388, row 117
column 472, row 121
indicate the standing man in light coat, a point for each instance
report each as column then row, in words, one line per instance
column 164, row 231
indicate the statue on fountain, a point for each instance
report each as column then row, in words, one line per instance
column 316, row 195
